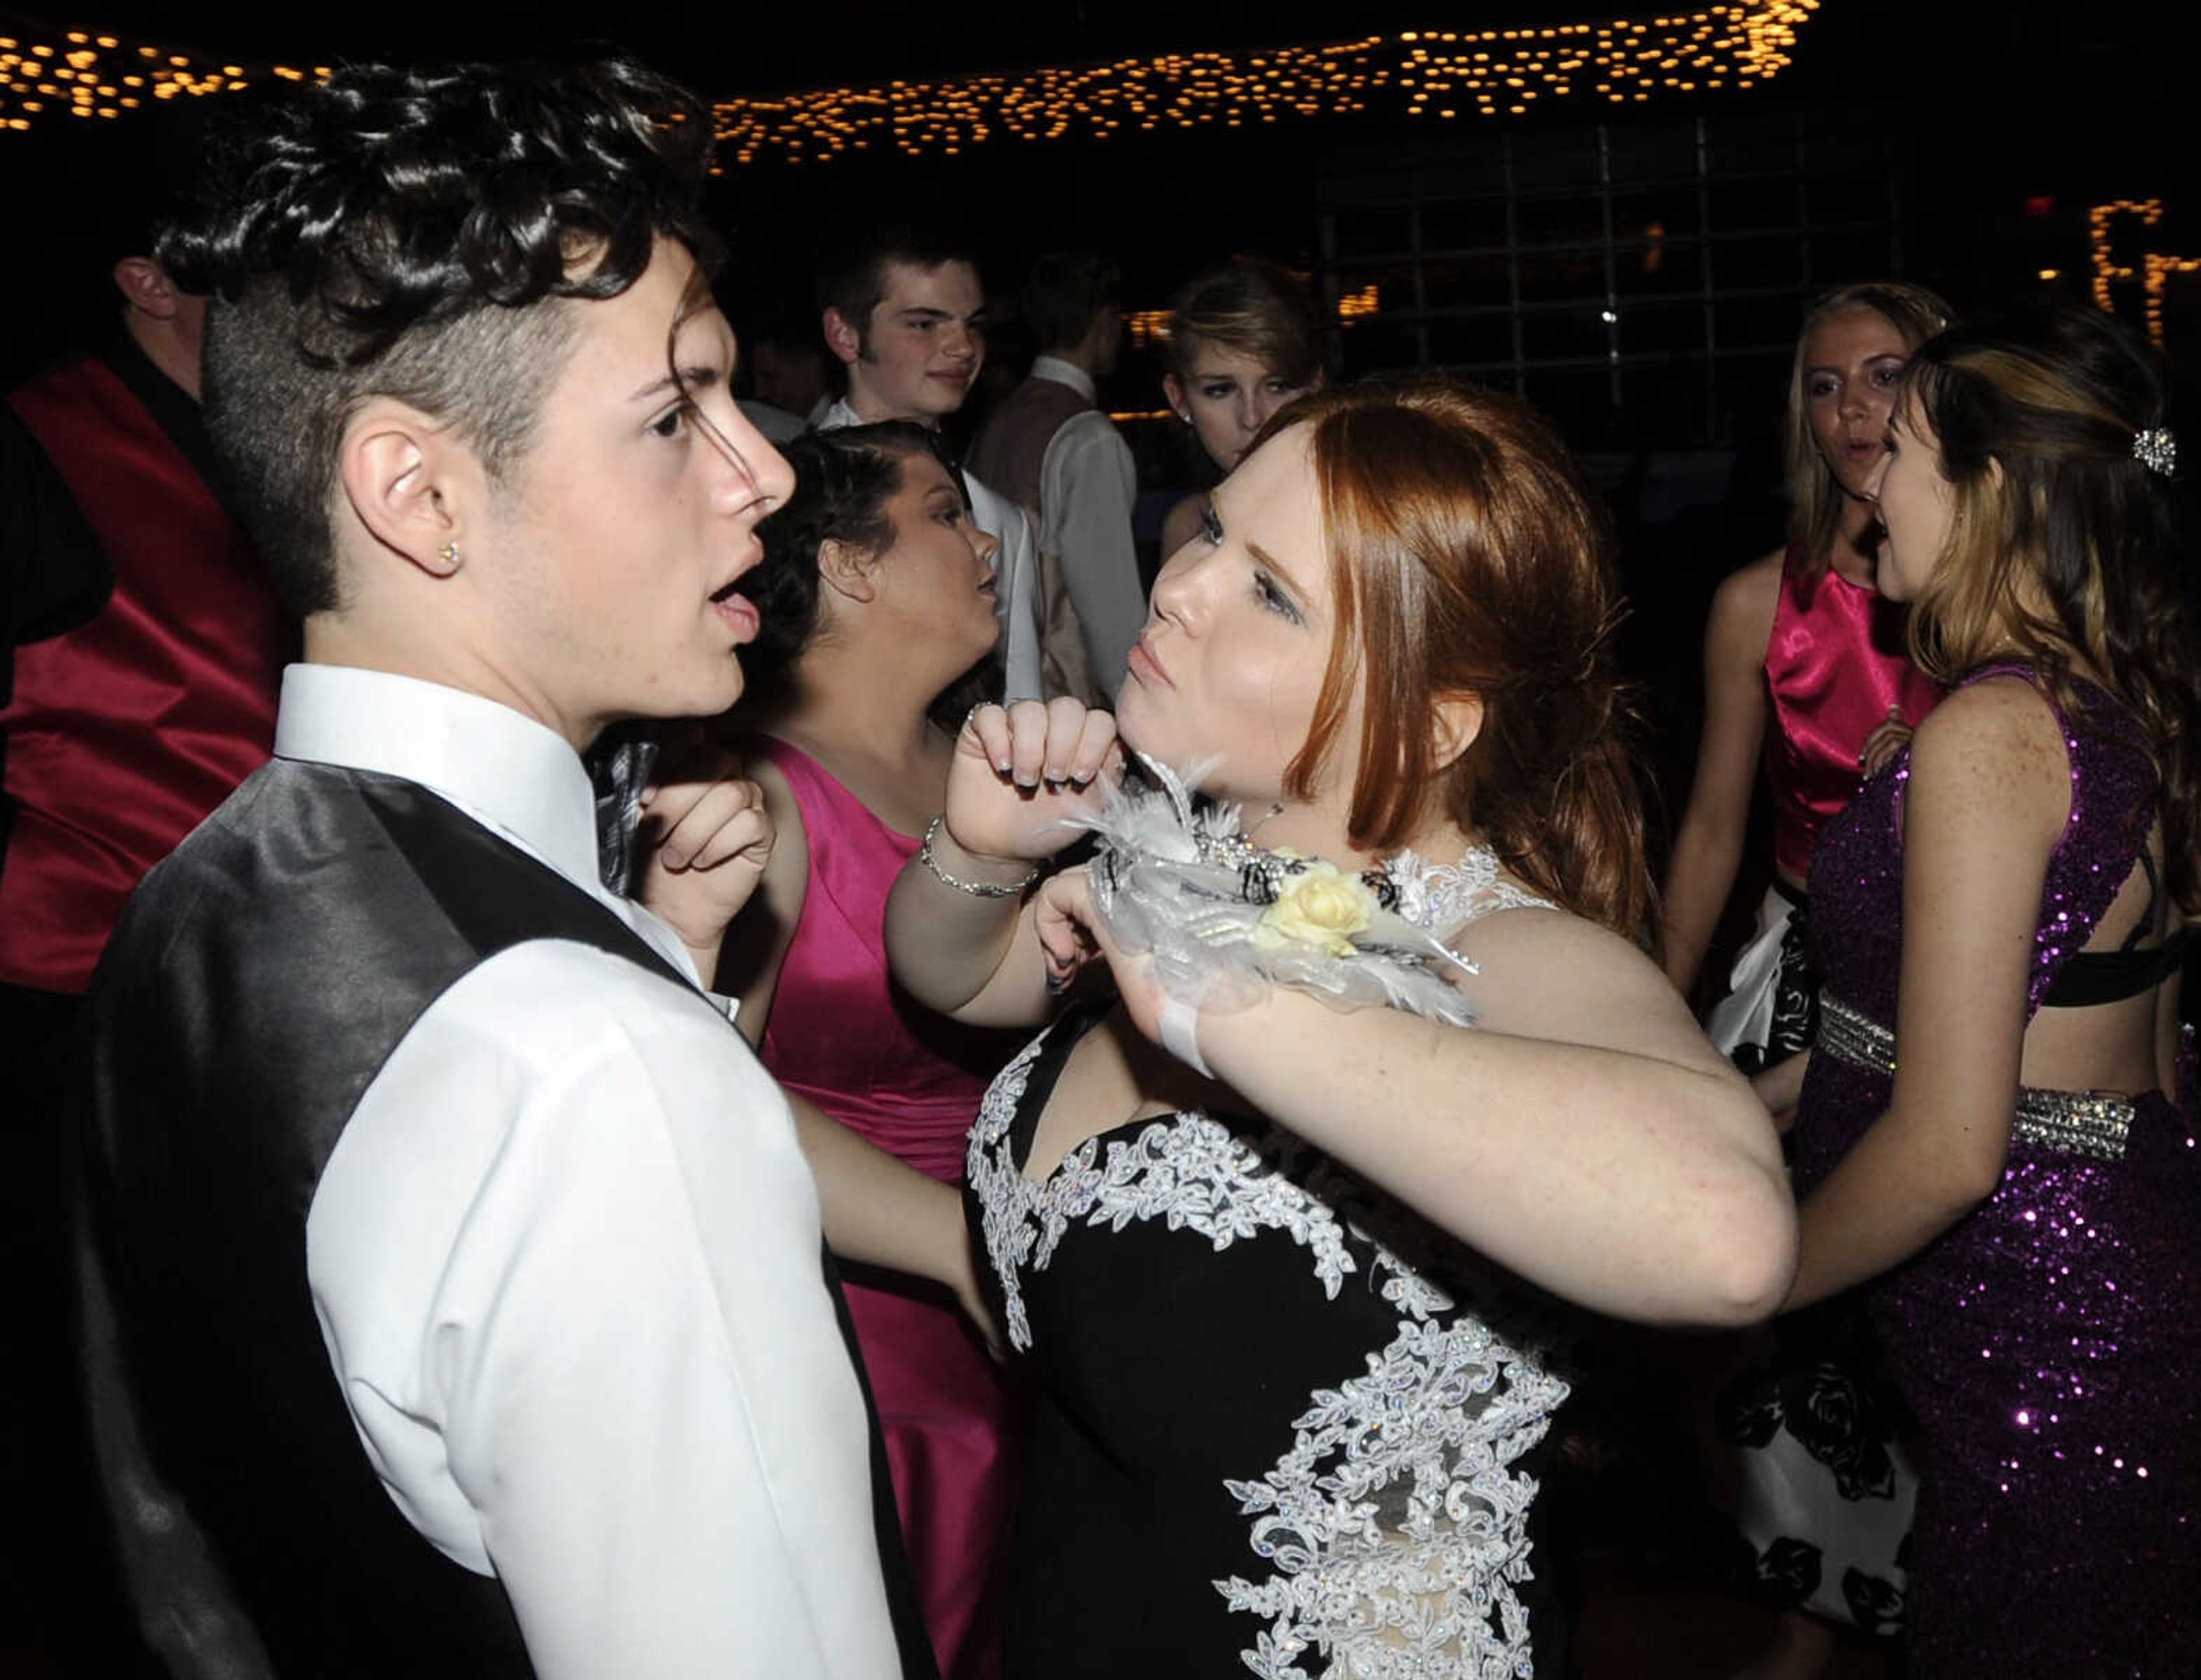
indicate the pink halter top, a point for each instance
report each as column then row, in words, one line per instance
column 1834, row 665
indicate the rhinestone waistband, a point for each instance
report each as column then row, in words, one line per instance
column 2078, row 1123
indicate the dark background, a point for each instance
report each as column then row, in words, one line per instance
column 1984, row 135
column 1983, row 111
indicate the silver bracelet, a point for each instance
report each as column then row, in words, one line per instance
column 976, row 888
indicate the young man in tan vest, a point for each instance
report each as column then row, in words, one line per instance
column 1051, row 448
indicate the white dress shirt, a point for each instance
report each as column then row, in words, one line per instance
column 1016, row 563
column 1089, row 490
column 565, row 1257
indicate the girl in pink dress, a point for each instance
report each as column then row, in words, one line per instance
column 1805, row 672
column 876, row 595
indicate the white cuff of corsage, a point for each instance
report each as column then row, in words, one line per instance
column 1179, row 1024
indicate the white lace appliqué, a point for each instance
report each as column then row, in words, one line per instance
column 1186, row 1170
column 1006, row 1199
column 1444, row 897
column 1395, row 1527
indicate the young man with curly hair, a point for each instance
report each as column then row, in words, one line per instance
column 406, row 1136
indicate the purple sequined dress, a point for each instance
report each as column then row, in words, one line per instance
column 2050, row 1343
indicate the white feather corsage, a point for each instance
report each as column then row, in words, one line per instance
column 1225, row 920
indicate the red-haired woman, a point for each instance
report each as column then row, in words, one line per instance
column 1269, row 1276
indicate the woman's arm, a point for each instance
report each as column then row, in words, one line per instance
column 1989, row 792
column 878, row 1211
column 969, row 957
column 1584, row 1135
column 1708, row 844
column 1017, row 779
column 756, row 945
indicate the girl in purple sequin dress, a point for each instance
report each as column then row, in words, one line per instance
column 1997, row 1130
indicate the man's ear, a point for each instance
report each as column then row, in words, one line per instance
column 842, row 336
column 1455, row 723
column 411, row 484
column 145, row 286
column 847, row 571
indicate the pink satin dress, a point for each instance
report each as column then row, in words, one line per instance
column 1834, row 665
column 841, row 1035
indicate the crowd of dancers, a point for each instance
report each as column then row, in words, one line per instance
column 1201, row 1065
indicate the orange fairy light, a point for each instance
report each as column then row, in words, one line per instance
column 1745, row 43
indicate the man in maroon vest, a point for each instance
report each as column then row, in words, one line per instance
column 146, row 652
column 143, row 652
column 1049, row 448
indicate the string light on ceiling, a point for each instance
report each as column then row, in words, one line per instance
column 1434, row 74
column 79, row 73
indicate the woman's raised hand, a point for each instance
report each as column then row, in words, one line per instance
column 1888, row 738
column 1022, row 771
column 1072, row 934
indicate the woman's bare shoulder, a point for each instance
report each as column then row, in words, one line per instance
column 2005, row 715
column 1995, row 747
column 1749, row 596
column 1544, row 972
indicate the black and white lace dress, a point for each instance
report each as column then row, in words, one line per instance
column 1280, row 1427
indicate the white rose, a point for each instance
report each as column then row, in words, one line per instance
column 1322, row 905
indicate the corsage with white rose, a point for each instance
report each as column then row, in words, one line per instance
column 1225, row 921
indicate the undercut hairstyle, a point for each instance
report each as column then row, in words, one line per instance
column 1469, row 558
column 422, row 235
column 852, row 278
column 843, row 480
column 2063, row 541
column 1816, row 497
column 1254, row 308
column 1063, row 293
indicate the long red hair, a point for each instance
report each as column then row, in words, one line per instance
column 1467, row 557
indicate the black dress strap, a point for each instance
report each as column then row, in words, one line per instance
column 1062, row 1037
column 2109, row 977
column 2145, row 924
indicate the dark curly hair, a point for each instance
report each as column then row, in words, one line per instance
column 843, row 480
column 398, row 233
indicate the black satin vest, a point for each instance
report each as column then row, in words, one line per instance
column 253, row 989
